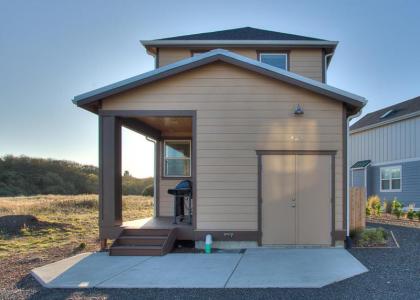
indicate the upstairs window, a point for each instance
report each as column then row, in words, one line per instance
column 177, row 158
column 391, row 179
column 278, row 60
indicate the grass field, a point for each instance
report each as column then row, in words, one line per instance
column 63, row 221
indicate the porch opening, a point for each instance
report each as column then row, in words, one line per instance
column 172, row 159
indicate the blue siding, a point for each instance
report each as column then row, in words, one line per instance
column 410, row 183
column 358, row 178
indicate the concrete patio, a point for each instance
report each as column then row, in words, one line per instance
column 260, row 267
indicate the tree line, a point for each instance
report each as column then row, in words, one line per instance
column 25, row 176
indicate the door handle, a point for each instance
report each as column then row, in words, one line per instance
column 293, row 205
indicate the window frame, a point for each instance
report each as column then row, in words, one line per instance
column 285, row 53
column 390, row 190
column 164, row 158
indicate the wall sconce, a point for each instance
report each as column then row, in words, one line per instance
column 298, row 110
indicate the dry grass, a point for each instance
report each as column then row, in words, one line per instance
column 67, row 221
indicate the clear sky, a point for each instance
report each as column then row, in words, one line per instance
column 51, row 51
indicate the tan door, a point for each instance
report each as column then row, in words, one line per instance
column 313, row 186
column 296, row 195
column 278, row 192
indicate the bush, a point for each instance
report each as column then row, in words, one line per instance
column 397, row 208
column 148, row 191
column 388, row 207
column 373, row 236
column 411, row 214
column 374, row 205
column 368, row 211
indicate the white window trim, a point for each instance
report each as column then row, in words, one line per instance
column 390, row 180
column 165, row 158
column 276, row 53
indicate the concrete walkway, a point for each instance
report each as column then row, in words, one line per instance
column 261, row 267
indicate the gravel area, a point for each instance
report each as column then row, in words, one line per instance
column 394, row 274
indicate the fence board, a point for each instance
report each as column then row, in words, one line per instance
column 357, row 208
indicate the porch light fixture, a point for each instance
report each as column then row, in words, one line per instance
column 298, row 110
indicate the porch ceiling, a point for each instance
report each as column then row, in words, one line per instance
column 170, row 126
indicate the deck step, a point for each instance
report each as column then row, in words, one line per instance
column 148, row 242
column 153, row 232
column 136, row 250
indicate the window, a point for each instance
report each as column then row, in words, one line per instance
column 177, row 158
column 390, row 179
column 278, row 60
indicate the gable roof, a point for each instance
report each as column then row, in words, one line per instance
column 390, row 114
column 86, row 99
column 240, row 37
column 243, row 33
column 360, row 164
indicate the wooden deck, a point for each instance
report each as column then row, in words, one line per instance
column 184, row 231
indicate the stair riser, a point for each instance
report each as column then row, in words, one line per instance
column 147, row 232
column 140, row 242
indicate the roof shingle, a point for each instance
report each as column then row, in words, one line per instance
column 397, row 110
column 243, row 33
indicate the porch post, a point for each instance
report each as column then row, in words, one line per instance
column 110, row 189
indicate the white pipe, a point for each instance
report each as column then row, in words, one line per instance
column 349, row 118
column 326, row 64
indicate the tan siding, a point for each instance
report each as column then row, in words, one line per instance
column 171, row 55
column 232, row 122
column 307, row 62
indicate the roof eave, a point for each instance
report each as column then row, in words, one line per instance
column 240, row 43
column 85, row 99
column 386, row 122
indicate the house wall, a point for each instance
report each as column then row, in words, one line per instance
column 396, row 141
column 305, row 62
column 357, row 178
column 238, row 112
column 410, row 188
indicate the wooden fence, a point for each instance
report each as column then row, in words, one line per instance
column 357, row 208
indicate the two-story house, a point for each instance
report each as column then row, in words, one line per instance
column 385, row 152
column 246, row 115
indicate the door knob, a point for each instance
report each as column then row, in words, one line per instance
column 293, row 205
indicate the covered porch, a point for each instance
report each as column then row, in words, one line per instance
column 162, row 128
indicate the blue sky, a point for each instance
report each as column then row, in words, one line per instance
column 51, row 51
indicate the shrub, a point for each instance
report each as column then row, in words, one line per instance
column 418, row 215
column 397, row 208
column 373, row 236
column 374, row 204
column 355, row 233
column 148, row 191
column 411, row 214
column 368, row 211
column 388, row 207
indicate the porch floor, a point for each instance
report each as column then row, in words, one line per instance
column 184, row 230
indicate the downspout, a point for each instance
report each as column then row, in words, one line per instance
column 326, row 56
column 349, row 118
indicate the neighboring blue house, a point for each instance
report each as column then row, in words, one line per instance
column 385, row 152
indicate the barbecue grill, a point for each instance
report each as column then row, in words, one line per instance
column 182, row 201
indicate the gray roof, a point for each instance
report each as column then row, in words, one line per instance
column 361, row 164
column 355, row 101
column 243, row 33
column 389, row 114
